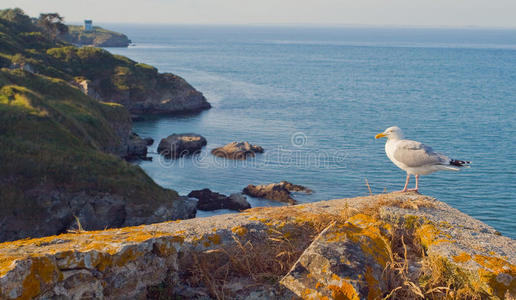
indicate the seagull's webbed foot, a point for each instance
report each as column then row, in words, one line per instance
column 406, row 191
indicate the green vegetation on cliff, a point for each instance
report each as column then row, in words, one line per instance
column 22, row 44
column 98, row 37
column 100, row 74
column 55, row 141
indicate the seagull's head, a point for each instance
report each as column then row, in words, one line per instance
column 393, row 132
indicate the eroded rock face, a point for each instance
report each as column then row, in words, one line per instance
column 166, row 94
column 137, row 148
column 87, row 88
column 57, row 211
column 209, row 200
column 170, row 95
column 338, row 248
column 276, row 191
column 177, row 145
column 237, row 150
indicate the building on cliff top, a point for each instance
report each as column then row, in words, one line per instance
column 88, row 25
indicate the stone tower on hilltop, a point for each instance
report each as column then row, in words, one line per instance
column 88, row 25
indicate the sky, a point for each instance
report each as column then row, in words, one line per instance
column 433, row 13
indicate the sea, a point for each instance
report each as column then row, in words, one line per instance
column 314, row 98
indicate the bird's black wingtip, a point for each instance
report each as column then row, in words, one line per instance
column 459, row 163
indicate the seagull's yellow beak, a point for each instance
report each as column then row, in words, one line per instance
column 380, row 135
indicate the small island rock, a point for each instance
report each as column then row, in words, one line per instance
column 237, row 150
column 276, row 191
column 177, row 145
column 209, row 200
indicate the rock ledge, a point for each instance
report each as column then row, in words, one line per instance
column 336, row 248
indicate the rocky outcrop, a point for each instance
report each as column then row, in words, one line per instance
column 56, row 212
column 164, row 94
column 177, row 145
column 87, row 88
column 360, row 248
column 276, row 191
column 137, row 147
column 171, row 94
column 209, row 200
column 237, row 150
column 98, row 37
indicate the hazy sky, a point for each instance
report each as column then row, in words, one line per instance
column 484, row 13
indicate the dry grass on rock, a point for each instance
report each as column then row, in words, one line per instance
column 409, row 274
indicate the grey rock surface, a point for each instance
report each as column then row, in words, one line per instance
column 276, row 191
column 338, row 244
column 177, row 145
column 209, row 200
column 237, row 150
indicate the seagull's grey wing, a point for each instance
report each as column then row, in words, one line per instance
column 416, row 154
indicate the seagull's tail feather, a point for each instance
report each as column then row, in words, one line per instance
column 460, row 163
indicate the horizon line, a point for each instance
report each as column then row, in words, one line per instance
column 313, row 25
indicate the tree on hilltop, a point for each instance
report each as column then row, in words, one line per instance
column 52, row 25
column 18, row 17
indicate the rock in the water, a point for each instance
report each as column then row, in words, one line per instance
column 238, row 200
column 209, row 200
column 276, row 191
column 177, row 145
column 137, row 147
column 237, row 150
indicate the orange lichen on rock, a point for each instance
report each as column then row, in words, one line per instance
column 43, row 271
column 126, row 256
column 373, row 285
column 8, row 263
column 344, row 292
column 462, row 258
column 427, row 234
column 239, row 230
column 498, row 274
column 207, row 240
column 214, row 238
column 495, row 264
column 366, row 232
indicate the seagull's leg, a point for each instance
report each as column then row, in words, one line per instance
column 406, row 184
column 417, row 184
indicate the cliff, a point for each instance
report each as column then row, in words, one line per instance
column 98, row 37
column 98, row 73
column 61, row 149
column 399, row 246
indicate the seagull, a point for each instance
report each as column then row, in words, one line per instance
column 416, row 158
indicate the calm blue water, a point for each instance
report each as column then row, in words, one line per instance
column 315, row 97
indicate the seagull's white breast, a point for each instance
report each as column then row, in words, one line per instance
column 390, row 147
